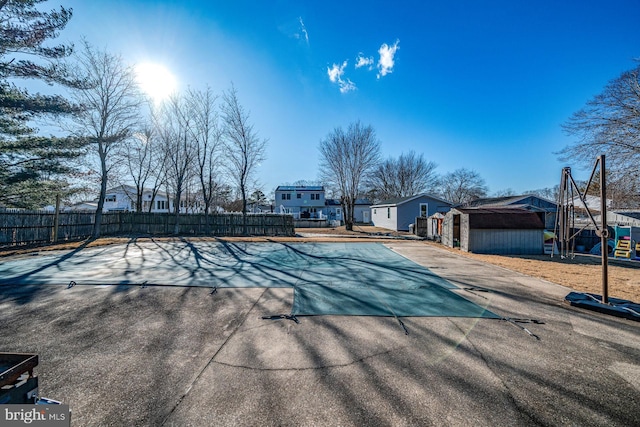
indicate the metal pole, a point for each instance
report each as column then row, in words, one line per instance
column 563, row 205
column 604, row 232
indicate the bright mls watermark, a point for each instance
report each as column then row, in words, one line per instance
column 35, row 415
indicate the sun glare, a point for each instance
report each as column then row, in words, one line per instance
column 155, row 80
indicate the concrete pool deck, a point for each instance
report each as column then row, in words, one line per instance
column 132, row 355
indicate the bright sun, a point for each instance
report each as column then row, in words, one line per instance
column 155, row 80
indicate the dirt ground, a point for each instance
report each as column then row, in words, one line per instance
column 582, row 273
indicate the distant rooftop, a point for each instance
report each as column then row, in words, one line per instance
column 300, row 188
column 336, row 202
column 502, row 201
column 399, row 201
column 632, row 214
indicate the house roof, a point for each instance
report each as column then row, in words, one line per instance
column 506, row 201
column 503, row 218
column 336, row 202
column 630, row 214
column 400, row 201
column 124, row 188
column 592, row 202
column 87, row 205
column 300, row 188
column 130, row 190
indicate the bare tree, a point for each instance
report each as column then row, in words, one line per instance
column 608, row 124
column 506, row 192
column 624, row 190
column 110, row 107
column 158, row 178
column 137, row 160
column 173, row 125
column 408, row 175
column 346, row 157
column 549, row 193
column 207, row 135
column 244, row 149
column 462, row 186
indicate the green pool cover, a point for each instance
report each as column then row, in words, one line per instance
column 328, row 278
column 372, row 280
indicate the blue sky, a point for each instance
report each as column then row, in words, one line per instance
column 471, row 84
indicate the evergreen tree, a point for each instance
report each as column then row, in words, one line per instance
column 32, row 166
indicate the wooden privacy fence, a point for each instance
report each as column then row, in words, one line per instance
column 27, row 228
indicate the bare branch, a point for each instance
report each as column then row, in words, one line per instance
column 345, row 160
column 244, row 149
column 462, row 186
column 408, row 175
column 110, row 108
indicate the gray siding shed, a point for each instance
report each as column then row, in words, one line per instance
column 502, row 231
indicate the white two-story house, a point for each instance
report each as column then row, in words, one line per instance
column 301, row 201
column 123, row 198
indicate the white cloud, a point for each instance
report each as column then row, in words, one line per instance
column 295, row 29
column 385, row 66
column 303, row 29
column 386, row 61
column 362, row 61
column 347, row 86
column 335, row 74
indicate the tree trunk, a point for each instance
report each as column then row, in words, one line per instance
column 244, row 200
column 347, row 209
column 139, row 199
column 176, row 206
column 103, row 193
column 244, row 210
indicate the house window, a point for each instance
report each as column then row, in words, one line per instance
column 338, row 210
column 110, row 198
column 375, row 211
column 424, row 210
column 286, row 196
column 315, row 196
column 299, row 196
column 388, row 212
column 161, row 204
